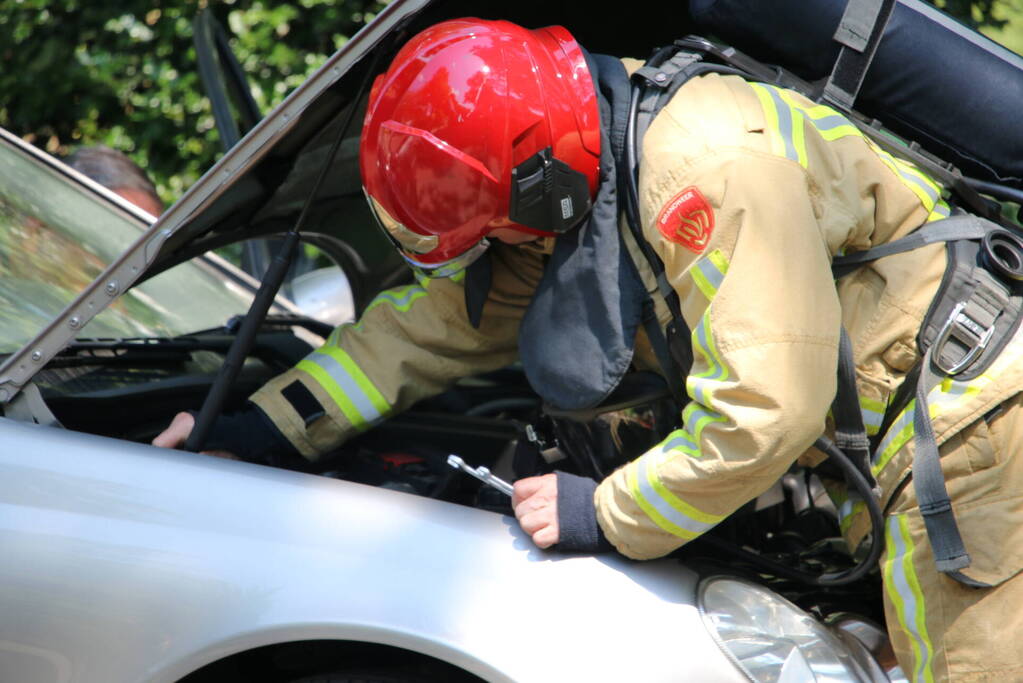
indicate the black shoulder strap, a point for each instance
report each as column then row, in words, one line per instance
column 859, row 32
column 652, row 86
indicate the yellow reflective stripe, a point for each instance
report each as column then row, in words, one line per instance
column 686, row 440
column 719, row 260
column 831, row 126
column 903, row 588
column 681, row 441
column 829, row 123
column 849, row 510
column 664, row 508
column 899, row 434
column 342, row 401
column 354, row 372
column 400, row 298
column 696, row 417
column 709, row 272
column 925, row 179
column 700, row 387
column 942, row 399
column 770, row 118
column 873, row 414
column 344, row 378
column 332, row 339
column 786, row 124
column 941, row 210
column 799, row 137
column 425, row 280
column 919, row 184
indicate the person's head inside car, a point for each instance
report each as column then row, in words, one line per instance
column 115, row 171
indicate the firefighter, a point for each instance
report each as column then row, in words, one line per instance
column 486, row 155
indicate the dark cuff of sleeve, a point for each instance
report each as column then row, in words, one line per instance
column 577, row 517
column 253, row 437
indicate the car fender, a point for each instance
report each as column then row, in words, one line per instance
column 128, row 562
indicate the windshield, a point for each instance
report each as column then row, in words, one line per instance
column 57, row 236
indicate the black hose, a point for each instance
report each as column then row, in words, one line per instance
column 855, row 478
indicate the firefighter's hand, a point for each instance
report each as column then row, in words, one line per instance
column 535, row 501
column 177, row 433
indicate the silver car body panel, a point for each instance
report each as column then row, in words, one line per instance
column 124, row 562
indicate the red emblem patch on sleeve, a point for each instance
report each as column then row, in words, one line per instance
column 688, row 220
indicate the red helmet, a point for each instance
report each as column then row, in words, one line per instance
column 479, row 125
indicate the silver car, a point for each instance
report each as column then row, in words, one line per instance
column 124, row 562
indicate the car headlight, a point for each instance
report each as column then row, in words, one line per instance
column 770, row 639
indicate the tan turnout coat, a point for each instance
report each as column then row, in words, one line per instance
column 776, row 186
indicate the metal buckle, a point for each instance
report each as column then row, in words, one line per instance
column 957, row 317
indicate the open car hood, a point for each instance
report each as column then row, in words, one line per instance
column 259, row 186
column 256, row 189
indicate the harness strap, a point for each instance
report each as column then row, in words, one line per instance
column 859, row 33
column 979, row 312
column 850, row 434
column 662, row 80
column 963, row 226
column 950, row 554
column 659, row 344
column 653, row 83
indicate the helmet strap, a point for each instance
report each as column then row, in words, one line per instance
column 547, row 194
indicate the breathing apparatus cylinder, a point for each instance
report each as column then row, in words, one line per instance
column 933, row 80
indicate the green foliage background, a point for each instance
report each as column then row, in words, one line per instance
column 124, row 73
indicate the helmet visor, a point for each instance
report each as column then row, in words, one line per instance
column 411, row 244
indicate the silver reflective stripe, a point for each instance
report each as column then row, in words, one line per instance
column 347, row 384
column 904, row 591
column 956, row 391
column 831, row 122
column 676, row 517
column 785, row 124
column 711, row 273
column 698, row 383
column 699, row 417
column 872, row 419
column 919, row 182
column 904, row 420
column 941, row 210
column 846, row 509
column 679, row 439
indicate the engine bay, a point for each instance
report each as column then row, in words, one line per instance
column 130, row 389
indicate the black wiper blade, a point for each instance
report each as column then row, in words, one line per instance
column 116, row 344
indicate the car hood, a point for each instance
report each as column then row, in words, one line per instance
column 256, row 189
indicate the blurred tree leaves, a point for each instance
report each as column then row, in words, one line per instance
column 124, row 74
